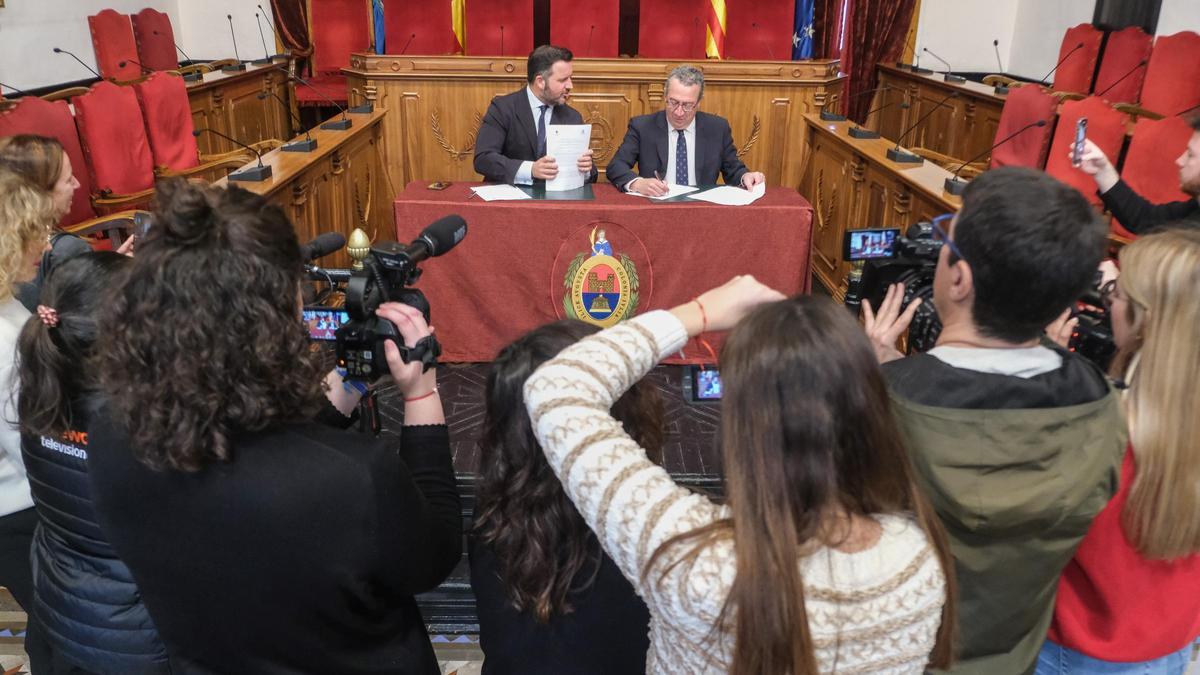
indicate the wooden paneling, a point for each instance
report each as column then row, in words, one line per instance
column 340, row 186
column 229, row 103
column 438, row 104
column 852, row 185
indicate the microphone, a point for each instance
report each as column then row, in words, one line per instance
column 185, row 56
column 1140, row 64
column 1000, row 89
column 1060, row 62
column 589, row 42
column 239, row 66
column 19, row 91
column 916, row 67
column 956, row 187
column 332, row 125
column 834, row 117
column 858, row 132
column 501, row 39
column 187, row 77
column 896, row 154
column 406, row 44
column 92, row 70
column 436, row 239
column 252, row 174
column 273, row 30
column 947, row 76
column 266, row 52
column 771, row 52
column 699, row 35
column 909, row 44
column 309, row 143
column 122, row 64
column 322, row 245
column 1181, row 113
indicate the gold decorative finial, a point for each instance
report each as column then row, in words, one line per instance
column 358, row 247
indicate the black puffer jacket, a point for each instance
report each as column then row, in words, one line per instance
column 85, row 599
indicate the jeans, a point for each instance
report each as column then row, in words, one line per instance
column 1058, row 660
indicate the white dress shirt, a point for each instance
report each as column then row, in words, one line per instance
column 689, row 138
column 525, row 171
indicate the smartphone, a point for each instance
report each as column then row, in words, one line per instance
column 142, row 221
column 1080, row 137
column 323, row 322
column 702, row 384
column 870, row 244
column 439, row 185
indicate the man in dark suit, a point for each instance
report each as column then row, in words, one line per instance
column 511, row 144
column 679, row 145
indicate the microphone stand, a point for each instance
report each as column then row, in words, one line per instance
column 334, row 125
column 957, row 187
column 902, row 157
column 187, row 77
column 1060, row 62
column 947, row 76
column 860, row 133
column 239, row 66
column 1119, row 79
column 266, row 52
column 58, row 50
column 834, row 117
column 309, row 143
column 254, row 174
column 286, row 52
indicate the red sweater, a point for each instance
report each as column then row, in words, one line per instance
column 1115, row 605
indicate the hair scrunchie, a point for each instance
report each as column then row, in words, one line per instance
column 48, row 315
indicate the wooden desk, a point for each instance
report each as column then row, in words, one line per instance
column 440, row 101
column 228, row 102
column 853, row 185
column 964, row 127
column 339, row 186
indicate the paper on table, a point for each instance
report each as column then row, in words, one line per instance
column 566, row 143
column 492, row 193
column 731, row 196
column 673, row 190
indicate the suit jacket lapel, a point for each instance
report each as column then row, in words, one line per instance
column 526, row 122
column 701, row 137
column 664, row 133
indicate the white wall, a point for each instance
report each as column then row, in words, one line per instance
column 962, row 31
column 1040, row 27
column 204, row 30
column 1178, row 15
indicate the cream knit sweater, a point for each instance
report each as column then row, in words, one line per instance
column 875, row 611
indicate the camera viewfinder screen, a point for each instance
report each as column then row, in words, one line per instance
column 868, row 244
column 323, row 323
column 708, row 384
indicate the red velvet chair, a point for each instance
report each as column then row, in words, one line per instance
column 759, row 30
column 1106, row 128
column 1025, row 105
column 499, row 27
column 419, row 28
column 1149, row 166
column 1120, row 78
column 673, row 29
column 114, row 142
column 1173, row 76
column 1076, row 73
column 112, row 39
column 155, row 40
column 587, row 27
column 339, row 28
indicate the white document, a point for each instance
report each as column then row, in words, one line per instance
column 492, row 193
column 729, row 195
column 673, row 190
column 566, row 143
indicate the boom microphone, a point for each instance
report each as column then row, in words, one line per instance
column 947, row 76
column 1141, row 64
column 58, row 50
column 239, row 66
column 253, row 174
column 122, row 64
column 309, row 143
column 860, row 133
column 896, row 154
column 322, row 245
column 273, row 30
column 333, row 125
column 767, row 42
column 406, row 44
column 834, row 117
column 956, row 187
column 19, row 91
column 1061, row 61
column 266, row 52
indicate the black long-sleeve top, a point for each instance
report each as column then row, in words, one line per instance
column 300, row 555
column 1138, row 215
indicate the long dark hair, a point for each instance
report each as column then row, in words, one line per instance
column 54, row 364
column 205, row 340
column 807, row 431
column 522, row 513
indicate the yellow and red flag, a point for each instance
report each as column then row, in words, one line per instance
column 714, row 39
column 458, row 23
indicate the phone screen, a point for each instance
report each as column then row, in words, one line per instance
column 323, row 322
column 1080, row 137
column 707, row 384
column 870, row 244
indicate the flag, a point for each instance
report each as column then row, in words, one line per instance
column 380, row 30
column 802, row 35
column 458, row 22
column 714, row 40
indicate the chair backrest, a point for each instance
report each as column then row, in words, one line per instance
column 500, row 27
column 759, row 30
column 672, row 29
column 163, row 98
column 1123, row 67
column 419, row 28
column 1106, row 128
column 339, row 28
column 155, row 40
column 1076, row 72
column 112, row 39
column 1025, row 105
column 113, row 136
column 33, row 115
column 589, row 28
column 1173, row 76
column 1149, row 166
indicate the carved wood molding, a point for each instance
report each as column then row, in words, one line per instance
column 755, row 130
column 825, row 209
column 604, row 142
column 435, row 123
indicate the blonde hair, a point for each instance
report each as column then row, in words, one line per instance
column 26, row 217
column 39, row 159
column 1160, row 275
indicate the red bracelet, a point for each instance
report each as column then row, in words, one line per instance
column 423, row 396
column 703, row 316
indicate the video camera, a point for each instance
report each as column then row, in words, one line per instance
column 889, row 258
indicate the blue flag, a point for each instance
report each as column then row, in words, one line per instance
column 380, row 34
column 802, row 34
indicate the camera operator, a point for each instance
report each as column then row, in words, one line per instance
column 261, row 541
column 1133, row 211
column 1016, row 443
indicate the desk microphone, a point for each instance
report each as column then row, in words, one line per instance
column 333, row 125
column 947, row 76
column 699, row 36
column 501, row 39
column 187, row 77
column 266, row 52
column 1061, row 61
column 122, row 64
column 239, row 66
column 916, row 67
column 1184, row 112
column 92, row 70
column 309, row 143
column 253, row 174
column 1000, row 89
column 910, row 46
column 1140, row 64
column 588, row 51
column 770, row 52
column 860, row 133
column 406, row 44
column 834, row 117
column 896, row 154
column 273, row 30
column 19, row 91
column 956, row 187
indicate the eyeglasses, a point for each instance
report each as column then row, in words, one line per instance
column 939, row 234
column 679, row 105
column 1109, row 292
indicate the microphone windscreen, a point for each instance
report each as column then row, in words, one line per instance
column 1041, row 123
column 444, row 234
column 323, row 245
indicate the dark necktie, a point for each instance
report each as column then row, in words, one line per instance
column 541, row 139
column 681, row 172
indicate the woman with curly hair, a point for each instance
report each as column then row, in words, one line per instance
column 262, row 541
column 549, row 599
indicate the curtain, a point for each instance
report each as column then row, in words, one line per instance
column 826, row 26
column 875, row 32
column 291, row 19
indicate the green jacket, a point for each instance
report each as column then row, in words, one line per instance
column 1017, row 490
